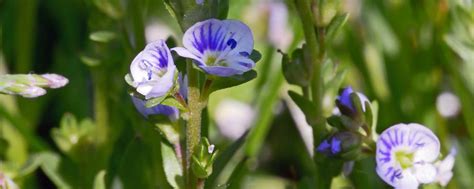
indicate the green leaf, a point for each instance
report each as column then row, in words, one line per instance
column 226, row 82
column 335, row 25
column 172, row 166
column 129, row 80
column 155, row 101
column 50, row 165
column 169, row 132
column 171, row 101
column 222, row 9
column 375, row 113
column 294, row 70
column 99, row 181
column 255, row 56
column 89, row 61
column 102, row 36
column 308, row 108
column 30, row 166
column 222, row 160
column 110, row 7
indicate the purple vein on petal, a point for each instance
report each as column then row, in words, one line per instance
column 386, row 143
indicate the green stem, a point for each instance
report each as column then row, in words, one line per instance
column 306, row 17
column 193, row 128
column 316, row 57
column 305, row 92
column 100, row 106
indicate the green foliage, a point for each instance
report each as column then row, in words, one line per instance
column 401, row 54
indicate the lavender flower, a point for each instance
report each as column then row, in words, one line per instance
column 153, row 70
column 405, row 155
column 171, row 112
column 219, row 47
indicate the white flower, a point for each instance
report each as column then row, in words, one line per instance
column 405, row 155
column 445, row 168
column 153, row 70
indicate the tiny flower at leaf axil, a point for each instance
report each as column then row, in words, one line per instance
column 153, row 70
column 219, row 47
column 406, row 155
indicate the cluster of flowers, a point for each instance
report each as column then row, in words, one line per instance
column 217, row 47
column 30, row 85
column 407, row 155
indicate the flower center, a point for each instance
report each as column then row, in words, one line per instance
column 211, row 60
column 405, row 159
column 151, row 69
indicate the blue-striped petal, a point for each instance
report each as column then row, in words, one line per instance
column 153, row 70
column 219, row 47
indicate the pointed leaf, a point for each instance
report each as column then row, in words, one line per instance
column 308, row 108
column 255, row 56
column 172, row 166
column 129, row 80
column 99, row 181
column 222, row 159
column 226, row 82
column 102, row 36
column 50, row 166
column 155, row 101
column 170, row 101
column 336, row 24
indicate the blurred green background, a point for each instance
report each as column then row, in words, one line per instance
column 403, row 54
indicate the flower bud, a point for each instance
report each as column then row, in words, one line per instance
column 346, row 103
column 203, row 159
column 55, row 80
column 23, row 90
column 30, row 85
column 295, row 70
column 342, row 144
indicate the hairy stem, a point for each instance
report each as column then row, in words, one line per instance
column 193, row 127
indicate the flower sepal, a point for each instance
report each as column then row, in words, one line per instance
column 203, row 159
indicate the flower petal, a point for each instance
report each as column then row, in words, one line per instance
column 425, row 173
column 426, row 143
column 398, row 178
column 169, row 111
column 407, row 181
column 220, row 70
column 214, row 35
column 153, row 70
column 183, row 52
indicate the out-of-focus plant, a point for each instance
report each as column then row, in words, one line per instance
column 186, row 61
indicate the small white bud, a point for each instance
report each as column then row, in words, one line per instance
column 32, row 92
column 55, row 80
column 210, row 149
